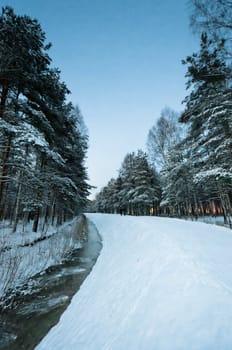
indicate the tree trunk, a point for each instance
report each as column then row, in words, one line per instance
column 195, row 206
column 53, row 215
column 26, row 219
column 5, row 90
column 36, row 221
column 59, row 218
column 46, row 219
column 16, row 213
column 4, row 172
column 226, row 221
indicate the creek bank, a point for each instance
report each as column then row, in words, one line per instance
column 29, row 256
column 23, row 326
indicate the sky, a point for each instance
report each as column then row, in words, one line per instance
column 121, row 59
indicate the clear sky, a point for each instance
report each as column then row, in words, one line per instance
column 122, row 61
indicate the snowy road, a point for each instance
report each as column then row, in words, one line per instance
column 159, row 284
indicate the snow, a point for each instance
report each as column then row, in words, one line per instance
column 21, row 259
column 216, row 173
column 162, row 284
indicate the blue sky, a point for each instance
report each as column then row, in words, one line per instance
column 122, row 61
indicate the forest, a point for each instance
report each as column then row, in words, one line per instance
column 176, row 272
column 43, row 138
column 186, row 170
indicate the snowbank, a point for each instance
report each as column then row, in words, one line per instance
column 162, row 284
column 21, row 258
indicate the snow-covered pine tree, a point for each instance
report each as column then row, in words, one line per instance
column 208, row 112
column 166, row 154
column 145, row 194
column 136, row 191
column 42, row 146
column 179, row 192
column 140, row 190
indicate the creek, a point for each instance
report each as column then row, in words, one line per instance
column 50, row 292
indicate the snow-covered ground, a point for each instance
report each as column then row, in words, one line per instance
column 20, row 259
column 216, row 220
column 159, row 284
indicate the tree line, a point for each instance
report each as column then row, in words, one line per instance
column 188, row 153
column 43, row 139
column 136, row 191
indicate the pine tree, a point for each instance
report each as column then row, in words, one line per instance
column 43, row 142
column 208, row 113
column 136, row 191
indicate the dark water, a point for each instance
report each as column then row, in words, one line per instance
column 50, row 293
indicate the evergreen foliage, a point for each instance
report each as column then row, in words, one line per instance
column 209, row 113
column 42, row 141
column 136, row 191
column 194, row 157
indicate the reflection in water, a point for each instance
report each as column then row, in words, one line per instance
column 50, row 294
